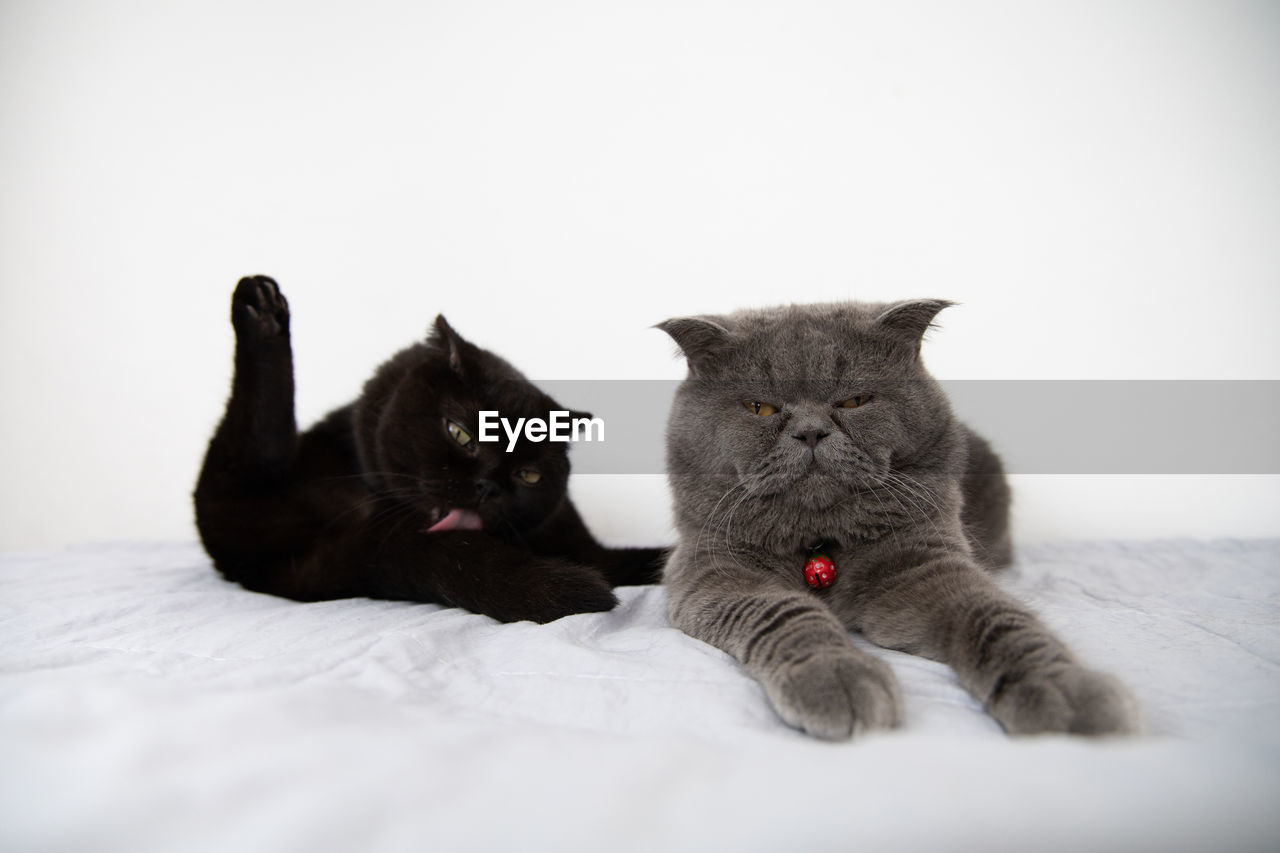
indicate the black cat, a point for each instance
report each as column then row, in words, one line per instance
column 393, row 496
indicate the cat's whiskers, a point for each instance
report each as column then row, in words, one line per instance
column 367, row 504
column 722, row 531
column 397, row 511
column 697, row 548
column 893, row 528
column 919, row 496
column 886, row 487
column 915, row 506
column 730, row 549
column 392, row 524
column 923, row 497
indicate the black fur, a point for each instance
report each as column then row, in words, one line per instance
column 342, row 509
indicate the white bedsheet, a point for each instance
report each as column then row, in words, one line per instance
column 148, row 705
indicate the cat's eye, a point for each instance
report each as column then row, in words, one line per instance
column 856, row 401
column 758, row 408
column 529, row 476
column 459, row 434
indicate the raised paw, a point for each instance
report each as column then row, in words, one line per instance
column 1071, row 700
column 837, row 694
column 259, row 310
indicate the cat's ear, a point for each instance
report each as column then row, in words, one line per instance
column 452, row 342
column 910, row 320
column 699, row 338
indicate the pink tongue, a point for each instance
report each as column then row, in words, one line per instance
column 458, row 519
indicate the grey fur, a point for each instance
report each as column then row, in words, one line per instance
column 911, row 504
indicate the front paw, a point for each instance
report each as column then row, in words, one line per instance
column 561, row 588
column 836, row 694
column 1071, row 700
column 259, row 310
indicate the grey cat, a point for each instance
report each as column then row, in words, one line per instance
column 808, row 428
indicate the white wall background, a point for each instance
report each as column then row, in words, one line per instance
column 1097, row 182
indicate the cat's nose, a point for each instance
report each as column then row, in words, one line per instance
column 811, row 437
column 485, row 489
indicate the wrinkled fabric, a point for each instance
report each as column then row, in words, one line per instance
column 148, row 705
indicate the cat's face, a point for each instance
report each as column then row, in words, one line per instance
column 428, row 451
column 805, row 406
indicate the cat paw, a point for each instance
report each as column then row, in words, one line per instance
column 561, row 589
column 259, row 310
column 1073, row 700
column 836, row 695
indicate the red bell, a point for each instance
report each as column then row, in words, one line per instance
column 819, row 571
